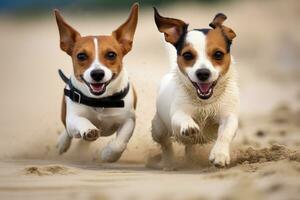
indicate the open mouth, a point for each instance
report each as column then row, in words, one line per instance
column 96, row 88
column 205, row 90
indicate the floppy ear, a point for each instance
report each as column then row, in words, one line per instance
column 125, row 33
column 173, row 29
column 218, row 22
column 68, row 35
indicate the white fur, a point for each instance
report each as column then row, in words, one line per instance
column 180, row 110
column 81, row 119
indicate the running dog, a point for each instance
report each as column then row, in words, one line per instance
column 198, row 100
column 98, row 98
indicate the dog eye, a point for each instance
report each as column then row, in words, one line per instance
column 188, row 56
column 111, row 55
column 82, row 56
column 218, row 55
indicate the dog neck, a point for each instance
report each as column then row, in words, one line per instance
column 116, row 85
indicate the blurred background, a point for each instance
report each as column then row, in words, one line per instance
column 36, row 6
column 266, row 52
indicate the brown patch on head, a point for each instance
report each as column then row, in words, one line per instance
column 216, row 49
column 107, row 46
column 72, row 43
column 85, row 46
column 218, row 44
column 187, row 57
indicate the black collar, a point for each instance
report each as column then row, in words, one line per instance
column 113, row 101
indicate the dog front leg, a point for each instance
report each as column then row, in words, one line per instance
column 113, row 151
column 81, row 127
column 220, row 153
column 183, row 124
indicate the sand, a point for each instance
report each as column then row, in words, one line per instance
column 265, row 154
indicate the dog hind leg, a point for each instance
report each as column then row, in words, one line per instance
column 113, row 151
column 161, row 136
column 189, row 153
column 64, row 142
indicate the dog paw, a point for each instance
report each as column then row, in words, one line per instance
column 162, row 165
column 112, row 152
column 219, row 155
column 108, row 155
column 159, row 163
column 189, row 129
column 91, row 134
column 64, row 142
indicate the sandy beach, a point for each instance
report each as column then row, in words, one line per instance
column 265, row 153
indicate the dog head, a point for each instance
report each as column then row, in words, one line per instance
column 203, row 55
column 97, row 60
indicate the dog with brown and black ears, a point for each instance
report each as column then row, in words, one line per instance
column 198, row 100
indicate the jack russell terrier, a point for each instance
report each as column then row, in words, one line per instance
column 198, row 99
column 98, row 98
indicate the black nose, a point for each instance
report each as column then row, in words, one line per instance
column 97, row 74
column 203, row 74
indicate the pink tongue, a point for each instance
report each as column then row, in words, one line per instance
column 97, row 87
column 204, row 87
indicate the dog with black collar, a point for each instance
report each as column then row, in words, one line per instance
column 98, row 98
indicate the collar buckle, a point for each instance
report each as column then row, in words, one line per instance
column 78, row 95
